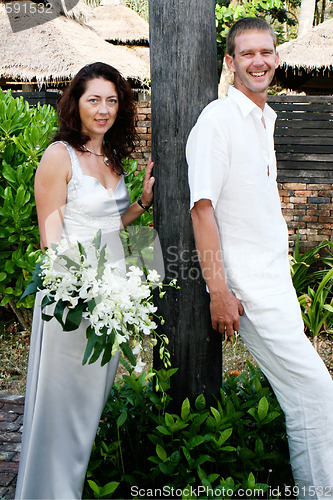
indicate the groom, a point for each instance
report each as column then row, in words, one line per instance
column 236, row 214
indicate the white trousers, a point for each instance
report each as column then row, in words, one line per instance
column 273, row 331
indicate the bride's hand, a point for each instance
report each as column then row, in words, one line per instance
column 147, row 187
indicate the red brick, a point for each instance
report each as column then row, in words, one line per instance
column 314, row 237
column 313, row 227
column 287, row 205
column 295, row 185
column 310, row 218
column 321, row 225
column 304, row 193
column 143, row 123
column 141, row 130
column 145, row 137
column 324, row 206
column 144, row 110
column 300, row 225
column 323, row 218
column 319, row 186
column 326, row 193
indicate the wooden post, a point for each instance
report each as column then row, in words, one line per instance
column 183, row 80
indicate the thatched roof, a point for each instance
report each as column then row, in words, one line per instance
column 120, row 24
column 313, row 50
column 55, row 50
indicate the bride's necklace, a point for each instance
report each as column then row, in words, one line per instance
column 105, row 158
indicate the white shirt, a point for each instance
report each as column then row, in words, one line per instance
column 231, row 158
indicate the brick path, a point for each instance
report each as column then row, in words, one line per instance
column 11, row 420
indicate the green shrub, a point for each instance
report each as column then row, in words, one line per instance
column 240, row 442
column 312, row 275
column 25, row 132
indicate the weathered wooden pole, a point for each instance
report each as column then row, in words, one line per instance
column 183, row 80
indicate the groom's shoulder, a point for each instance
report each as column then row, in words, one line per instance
column 216, row 109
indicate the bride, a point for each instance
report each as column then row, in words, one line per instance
column 79, row 189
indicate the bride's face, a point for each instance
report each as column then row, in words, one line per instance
column 98, row 107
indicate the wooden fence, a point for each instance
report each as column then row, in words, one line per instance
column 46, row 97
column 304, row 138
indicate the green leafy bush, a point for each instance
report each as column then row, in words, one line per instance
column 25, row 132
column 240, row 442
column 312, row 275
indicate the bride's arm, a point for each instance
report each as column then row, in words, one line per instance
column 135, row 210
column 52, row 176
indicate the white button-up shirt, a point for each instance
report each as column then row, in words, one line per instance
column 231, row 158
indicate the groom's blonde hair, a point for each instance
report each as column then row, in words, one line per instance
column 247, row 24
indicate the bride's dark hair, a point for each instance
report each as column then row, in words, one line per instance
column 119, row 139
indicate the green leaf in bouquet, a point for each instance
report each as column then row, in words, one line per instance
column 108, row 345
column 92, row 339
column 101, row 262
column 98, row 349
column 125, row 347
column 47, row 301
column 81, row 249
column 91, row 305
column 107, row 355
column 74, row 317
column 97, row 239
column 70, row 263
column 46, row 317
column 59, row 311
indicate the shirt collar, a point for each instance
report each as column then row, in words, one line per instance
column 247, row 106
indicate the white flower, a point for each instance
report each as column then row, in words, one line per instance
column 113, row 304
column 137, row 349
column 153, row 276
column 135, row 271
column 139, row 366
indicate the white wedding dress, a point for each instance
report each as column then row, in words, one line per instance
column 64, row 399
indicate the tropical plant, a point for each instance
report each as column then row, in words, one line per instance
column 312, row 275
column 240, row 442
column 307, row 267
column 317, row 307
column 25, row 132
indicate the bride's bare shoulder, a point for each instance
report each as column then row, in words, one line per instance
column 56, row 159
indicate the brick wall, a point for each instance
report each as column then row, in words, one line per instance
column 306, row 207
column 143, row 149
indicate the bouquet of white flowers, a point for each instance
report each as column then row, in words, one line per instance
column 83, row 284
